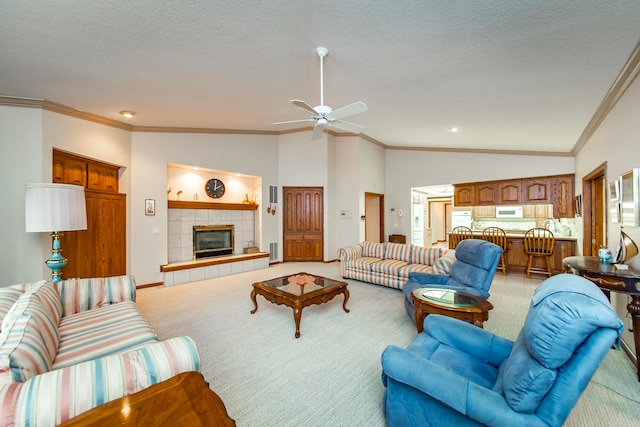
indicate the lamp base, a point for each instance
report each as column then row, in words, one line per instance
column 57, row 261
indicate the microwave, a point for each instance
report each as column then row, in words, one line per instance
column 508, row 211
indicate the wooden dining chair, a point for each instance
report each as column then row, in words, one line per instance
column 497, row 236
column 458, row 234
column 539, row 242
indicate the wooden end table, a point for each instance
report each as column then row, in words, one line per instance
column 183, row 400
column 283, row 291
column 459, row 305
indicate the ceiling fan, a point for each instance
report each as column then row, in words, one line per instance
column 323, row 115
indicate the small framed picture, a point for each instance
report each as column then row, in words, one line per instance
column 614, row 212
column 614, row 191
column 150, row 207
column 577, row 205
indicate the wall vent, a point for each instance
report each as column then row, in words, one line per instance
column 273, row 194
column 273, row 251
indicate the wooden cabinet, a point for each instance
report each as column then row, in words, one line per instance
column 464, row 195
column 483, row 212
column 68, row 169
column 100, row 250
column 486, row 193
column 563, row 197
column 102, row 177
column 509, row 193
column 536, row 191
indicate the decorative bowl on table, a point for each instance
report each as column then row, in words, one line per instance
column 301, row 279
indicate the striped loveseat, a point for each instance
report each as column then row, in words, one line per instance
column 76, row 344
column 389, row 264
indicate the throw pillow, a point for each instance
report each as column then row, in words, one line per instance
column 23, row 351
column 374, row 250
column 8, row 297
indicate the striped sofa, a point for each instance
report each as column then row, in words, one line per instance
column 70, row 346
column 389, row 264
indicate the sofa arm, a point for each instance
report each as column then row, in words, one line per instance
column 428, row 278
column 350, row 252
column 56, row 396
column 78, row 295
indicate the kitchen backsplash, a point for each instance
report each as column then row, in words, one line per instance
column 561, row 227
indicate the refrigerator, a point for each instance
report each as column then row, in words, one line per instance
column 417, row 225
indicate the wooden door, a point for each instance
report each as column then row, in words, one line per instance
column 594, row 216
column 100, row 250
column 303, row 218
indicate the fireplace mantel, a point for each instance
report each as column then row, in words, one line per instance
column 178, row 204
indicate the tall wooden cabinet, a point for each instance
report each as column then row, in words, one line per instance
column 100, row 250
column 303, row 222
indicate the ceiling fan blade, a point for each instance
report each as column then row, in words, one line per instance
column 294, row 121
column 317, row 132
column 304, row 106
column 346, row 126
column 349, row 110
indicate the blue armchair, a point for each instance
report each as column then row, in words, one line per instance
column 457, row 374
column 472, row 272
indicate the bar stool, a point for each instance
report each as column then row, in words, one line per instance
column 539, row 242
column 458, row 234
column 497, row 236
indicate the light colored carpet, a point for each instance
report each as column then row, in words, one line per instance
column 330, row 376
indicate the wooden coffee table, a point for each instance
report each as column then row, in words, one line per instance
column 285, row 290
column 459, row 305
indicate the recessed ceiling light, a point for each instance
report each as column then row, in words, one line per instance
column 453, row 129
column 128, row 114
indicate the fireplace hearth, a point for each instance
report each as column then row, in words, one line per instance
column 212, row 240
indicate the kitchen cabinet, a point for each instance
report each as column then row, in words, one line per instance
column 483, row 212
column 486, row 193
column 464, row 195
column 536, row 191
column 509, row 193
column 71, row 169
column 563, row 197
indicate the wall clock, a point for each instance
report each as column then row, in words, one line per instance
column 214, row 188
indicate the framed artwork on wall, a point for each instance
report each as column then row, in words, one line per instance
column 150, row 207
column 614, row 191
column 629, row 198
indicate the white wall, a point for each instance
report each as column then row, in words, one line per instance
column 21, row 254
column 615, row 142
column 408, row 168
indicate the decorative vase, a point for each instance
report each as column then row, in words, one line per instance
column 605, row 255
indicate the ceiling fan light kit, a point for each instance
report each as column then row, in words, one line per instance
column 323, row 115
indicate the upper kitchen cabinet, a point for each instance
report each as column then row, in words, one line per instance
column 486, row 193
column 509, row 192
column 463, row 195
column 536, row 191
column 563, row 196
column 91, row 174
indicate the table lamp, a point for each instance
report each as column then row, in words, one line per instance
column 54, row 208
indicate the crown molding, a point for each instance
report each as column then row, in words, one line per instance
column 626, row 77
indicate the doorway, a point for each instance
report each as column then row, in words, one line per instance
column 374, row 217
column 594, row 215
column 303, row 223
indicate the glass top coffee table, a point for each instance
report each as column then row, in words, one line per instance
column 459, row 305
column 299, row 291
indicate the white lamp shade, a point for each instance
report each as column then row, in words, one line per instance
column 55, row 207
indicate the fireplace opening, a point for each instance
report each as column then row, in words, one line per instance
column 212, row 240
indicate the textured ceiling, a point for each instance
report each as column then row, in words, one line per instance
column 512, row 75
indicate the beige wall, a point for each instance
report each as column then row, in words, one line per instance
column 615, row 142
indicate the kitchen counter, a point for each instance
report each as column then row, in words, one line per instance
column 517, row 259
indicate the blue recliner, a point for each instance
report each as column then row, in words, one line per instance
column 455, row 373
column 472, row 272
